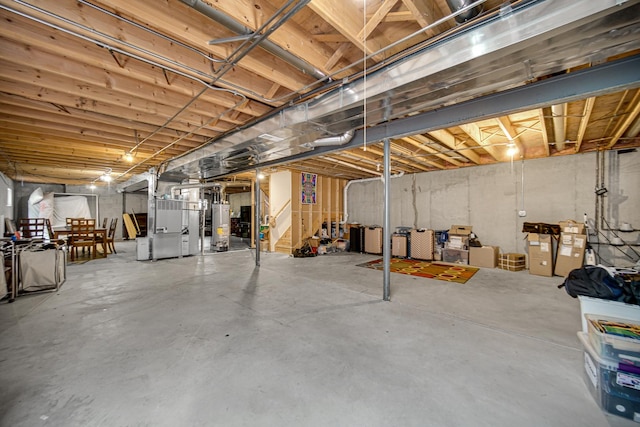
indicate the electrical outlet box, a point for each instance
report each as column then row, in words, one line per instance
column 522, row 213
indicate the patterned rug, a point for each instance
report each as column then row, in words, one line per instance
column 428, row 269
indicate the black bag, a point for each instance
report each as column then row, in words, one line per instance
column 596, row 282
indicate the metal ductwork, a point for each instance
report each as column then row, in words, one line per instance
column 456, row 5
column 332, row 140
column 267, row 45
column 503, row 50
column 559, row 113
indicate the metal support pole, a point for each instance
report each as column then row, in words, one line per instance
column 386, row 232
column 257, row 219
column 203, row 221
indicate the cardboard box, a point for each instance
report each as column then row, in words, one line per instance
column 512, row 262
column 570, row 256
column 540, row 254
column 457, row 242
column 457, row 256
column 571, row 226
column 464, row 230
column 314, row 242
column 264, row 246
column 485, row 256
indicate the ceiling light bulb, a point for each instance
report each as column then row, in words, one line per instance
column 92, row 186
column 106, row 177
column 512, row 150
column 260, row 175
column 128, row 157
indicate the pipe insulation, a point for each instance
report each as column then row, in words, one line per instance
column 559, row 113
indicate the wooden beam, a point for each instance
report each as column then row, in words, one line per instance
column 474, row 132
column 107, row 108
column 24, row 31
column 80, row 120
column 584, row 121
column 347, row 20
column 377, row 18
column 350, row 165
column 632, row 113
column 425, row 12
column 400, row 16
column 331, row 38
column 545, row 133
column 420, row 142
column 446, row 138
column 510, row 132
column 337, row 55
column 126, row 98
column 84, row 131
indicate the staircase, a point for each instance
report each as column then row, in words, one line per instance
column 283, row 245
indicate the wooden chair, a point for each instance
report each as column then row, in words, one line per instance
column 82, row 235
column 32, row 227
column 111, row 235
column 104, row 222
column 50, row 233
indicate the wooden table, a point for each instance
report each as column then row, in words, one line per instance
column 99, row 232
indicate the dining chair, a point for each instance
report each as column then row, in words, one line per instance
column 111, row 235
column 51, row 235
column 82, row 236
column 32, row 227
column 104, row 222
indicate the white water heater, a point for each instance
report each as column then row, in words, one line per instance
column 220, row 227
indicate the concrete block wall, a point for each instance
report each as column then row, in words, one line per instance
column 490, row 197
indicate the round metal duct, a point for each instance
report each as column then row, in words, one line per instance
column 456, row 5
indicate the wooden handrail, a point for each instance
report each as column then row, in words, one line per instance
column 272, row 219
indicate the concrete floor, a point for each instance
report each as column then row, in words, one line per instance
column 213, row 341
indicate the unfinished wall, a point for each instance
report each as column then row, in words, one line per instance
column 307, row 219
column 490, row 197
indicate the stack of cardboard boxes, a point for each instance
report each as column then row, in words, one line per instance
column 456, row 249
column 557, row 255
column 571, row 247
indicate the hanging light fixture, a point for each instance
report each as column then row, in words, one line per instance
column 106, row 177
column 128, row 157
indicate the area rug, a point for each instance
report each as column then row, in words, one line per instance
column 428, row 269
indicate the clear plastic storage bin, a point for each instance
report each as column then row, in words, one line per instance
column 615, row 386
column 614, row 338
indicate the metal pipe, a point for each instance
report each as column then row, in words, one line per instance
column 257, row 218
column 171, row 40
column 559, row 113
column 203, row 221
column 201, row 185
column 346, row 187
column 267, row 45
column 332, row 140
column 386, row 242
